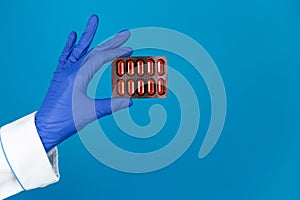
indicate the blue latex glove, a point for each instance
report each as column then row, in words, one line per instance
column 66, row 108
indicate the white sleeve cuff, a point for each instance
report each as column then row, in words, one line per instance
column 29, row 164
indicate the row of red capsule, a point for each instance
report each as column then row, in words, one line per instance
column 140, row 67
column 141, row 87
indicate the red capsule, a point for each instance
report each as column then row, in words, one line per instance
column 140, row 67
column 141, row 88
column 130, row 67
column 160, row 86
column 150, row 88
column 160, row 67
column 150, row 67
column 130, row 86
column 121, row 87
column 120, row 68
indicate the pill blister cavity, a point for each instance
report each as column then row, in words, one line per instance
column 160, row 67
column 120, row 68
column 130, row 67
column 140, row 67
column 150, row 67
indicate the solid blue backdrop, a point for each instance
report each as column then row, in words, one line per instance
column 255, row 45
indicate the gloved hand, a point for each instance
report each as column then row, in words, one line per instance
column 66, row 108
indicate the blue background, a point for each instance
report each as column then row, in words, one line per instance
column 255, row 45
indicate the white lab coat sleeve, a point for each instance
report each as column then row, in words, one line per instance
column 24, row 163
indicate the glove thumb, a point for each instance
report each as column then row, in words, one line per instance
column 107, row 106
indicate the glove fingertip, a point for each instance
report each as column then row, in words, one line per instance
column 130, row 103
column 124, row 103
column 124, row 30
column 73, row 34
column 121, row 103
column 107, row 106
column 128, row 51
column 94, row 17
column 72, row 38
column 93, row 23
column 124, row 34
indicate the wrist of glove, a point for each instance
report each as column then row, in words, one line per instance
column 66, row 108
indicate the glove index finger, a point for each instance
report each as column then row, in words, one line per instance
column 101, row 57
column 115, row 42
column 96, row 58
